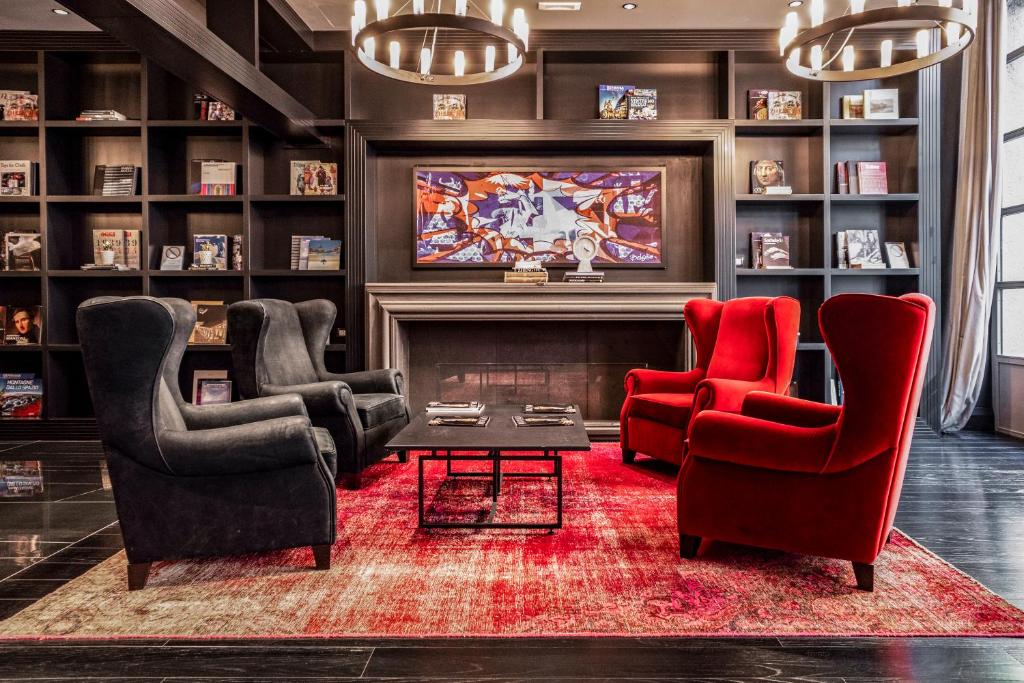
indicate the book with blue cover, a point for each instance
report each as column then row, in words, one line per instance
column 324, row 255
column 21, row 395
column 613, row 101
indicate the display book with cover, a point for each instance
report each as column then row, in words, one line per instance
column 627, row 102
column 326, row 253
column 768, row 176
column 215, row 244
column 211, row 323
column 22, row 251
column 769, row 251
column 124, row 244
column 18, row 105
column 859, row 249
column 862, row 177
column 18, row 178
column 314, row 178
column 21, row 325
column 213, row 177
column 21, row 395
column 116, row 181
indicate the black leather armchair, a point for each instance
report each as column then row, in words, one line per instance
column 278, row 348
column 197, row 481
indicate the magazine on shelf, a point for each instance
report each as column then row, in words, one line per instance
column 449, row 107
column 613, row 101
column 785, row 105
column 314, row 178
column 217, row 245
column 199, row 376
column 21, row 395
column 864, row 249
column 324, row 255
column 775, row 252
column 211, row 323
column 642, row 104
column 873, row 177
column 116, row 181
column 213, row 392
column 213, row 177
column 22, row 251
column 757, row 105
column 22, row 325
column 18, row 178
column 766, row 174
column 18, row 105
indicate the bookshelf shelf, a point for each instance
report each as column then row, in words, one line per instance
column 218, row 127
column 778, row 198
column 93, row 199
column 875, row 198
column 296, row 199
column 779, row 272
column 34, row 199
column 282, row 272
column 196, row 273
column 873, row 272
column 195, row 199
column 94, row 273
column 20, row 274
column 873, row 126
column 21, row 348
column 95, row 126
column 747, row 127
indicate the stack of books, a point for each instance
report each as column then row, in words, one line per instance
column 455, row 408
column 527, row 272
column 574, row 276
column 101, row 115
column 116, row 181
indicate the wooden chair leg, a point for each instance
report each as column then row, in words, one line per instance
column 628, row 456
column 138, row 574
column 865, row 574
column 403, row 456
column 688, row 546
column 322, row 556
column 352, row 481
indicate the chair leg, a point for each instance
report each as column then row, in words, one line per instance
column 865, row 574
column 628, row 456
column 688, row 546
column 403, row 456
column 352, row 481
column 322, row 556
column 138, row 574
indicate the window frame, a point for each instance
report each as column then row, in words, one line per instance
column 1016, row 55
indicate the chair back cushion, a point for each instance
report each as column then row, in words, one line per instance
column 880, row 348
column 742, row 348
column 269, row 346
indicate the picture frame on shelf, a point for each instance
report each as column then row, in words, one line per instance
column 172, row 257
column 882, row 103
column 896, row 254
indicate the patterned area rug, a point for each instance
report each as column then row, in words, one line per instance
column 612, row 570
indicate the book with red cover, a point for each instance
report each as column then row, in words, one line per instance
column 874, row 177
column 842, row 179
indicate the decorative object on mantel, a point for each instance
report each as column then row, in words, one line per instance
column 527, row 272
column 419, row 22
column 584, row 248
column 797, row 46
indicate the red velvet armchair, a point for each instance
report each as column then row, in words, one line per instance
column 743, row 345
column 811, row 478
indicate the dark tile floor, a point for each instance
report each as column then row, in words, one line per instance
column 963, row 498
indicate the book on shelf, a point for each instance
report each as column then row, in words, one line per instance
column 775, row 252
column 101, row 115
column 109, row 240
column 842, row 251
column 199, row 376
column 324, row 255
column 526, row 277
column 455, row 408
column 18, row 178
column 642, row 104
column 853, row 177
column 757, row 105
column 22, row 251
column 210, row 252
column 21, row 395
column 19, row 105
column 613, row 101
column 172, row 257
column 22, row 324
column 213, row 177
column 314, row 178
column 116, row 180
column 132, row 249
column 237, row 261
column 300, row 250
column 206, row 108
column 896, row 254
column 211, row 323
column 873, row 177
column 213, row 392
column 768, row 173
column 785, row 105
column 853, row 106
column 864, row 249
column 574, row 276
column 449, row 107
column 842, row 178
column 882, row 103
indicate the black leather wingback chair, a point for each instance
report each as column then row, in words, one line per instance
column 278, row 348
column 197, row 481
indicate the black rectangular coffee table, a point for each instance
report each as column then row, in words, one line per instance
column 497, row 441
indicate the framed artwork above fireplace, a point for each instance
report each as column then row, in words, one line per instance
column 479, row 217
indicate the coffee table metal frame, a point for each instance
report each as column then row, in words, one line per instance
column 495, row 456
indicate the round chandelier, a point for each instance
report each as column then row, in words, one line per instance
column 422, row 27
column 824, row 51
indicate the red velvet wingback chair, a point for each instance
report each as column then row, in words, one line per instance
column 808, row 477
column 743, row 345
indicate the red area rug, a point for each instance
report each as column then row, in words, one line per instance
column 613, row 570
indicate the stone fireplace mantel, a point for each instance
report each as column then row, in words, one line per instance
column 390, row 304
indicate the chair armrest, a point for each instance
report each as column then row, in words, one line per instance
column 242, row 412
column 748, row 441
column 242, row 449
column 644, row 381
column 789, row 410
column 322, row 399
column 725, row 394
column 387, row 381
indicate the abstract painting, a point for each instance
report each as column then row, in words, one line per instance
column 474, row 217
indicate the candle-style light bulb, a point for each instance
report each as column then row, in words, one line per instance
column 489, row 59
column 396, row 54
column 354, row 28
column 519, row 25
column 816, row 58
column 370, row 47
column 513, row 52
column 460, row 63
column 497, row 11
column 923, row 43
column 417, row 6
column 359, row 9
column 953, row 31
column 886, row 49
column 425, row 59
column 794, row 57
column 460, row 7
column 904, row 3
column 383, row 6
column 945, row 3
column 817, row 12
column 971, row 8
column 849, row 58
column 789, row 31
column 857, row 6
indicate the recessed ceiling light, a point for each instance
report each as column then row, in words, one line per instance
column 629, row 5
column 795, row 3
column 560, row 5
column 60, row 11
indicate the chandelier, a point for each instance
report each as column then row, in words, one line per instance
column 824, row 51
column 413, row 19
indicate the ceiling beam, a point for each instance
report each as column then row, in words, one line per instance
column 282, row 29
column 168, row 35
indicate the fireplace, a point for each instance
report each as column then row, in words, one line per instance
column 523, row 343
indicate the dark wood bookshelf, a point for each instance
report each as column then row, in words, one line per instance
column 372, row 126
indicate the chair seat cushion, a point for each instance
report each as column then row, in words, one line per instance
column 376, row 409
column 328, row 450
column 669, row 409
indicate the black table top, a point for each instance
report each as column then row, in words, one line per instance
column 500, row 433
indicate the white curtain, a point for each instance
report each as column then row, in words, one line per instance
column 976, row 222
